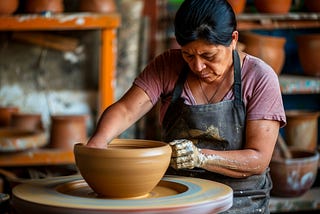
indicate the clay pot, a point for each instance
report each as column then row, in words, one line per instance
column 301, row 130
column 309, row 55
column 40, row 6
column 24, row 121
column 268, row 48
column 14, row 140
column 67, row 130
column 100, row 6
column 5, row 115
column 238, row 5
column 127, row 168
column 312, row 5
column 8, row 7
column 273, row 6
column 294, row 177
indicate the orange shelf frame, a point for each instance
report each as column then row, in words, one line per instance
column 107, row 23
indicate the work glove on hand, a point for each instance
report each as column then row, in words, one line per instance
column 185, row 155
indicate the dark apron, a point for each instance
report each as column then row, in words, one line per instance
column 219, row 126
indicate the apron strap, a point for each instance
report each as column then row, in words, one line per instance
column 177, row 91
column 237, row 78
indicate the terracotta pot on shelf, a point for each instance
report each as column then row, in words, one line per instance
column 301, row 130
column 273, row 6
column 309, row 54
column 67, row 130
column 238, row 5
column 27, row 121
column 8, row 7
column 268, row 48
column 292, row 177
column 100, row 6
column 39, row 6
column 6, row 114
column 312, row 5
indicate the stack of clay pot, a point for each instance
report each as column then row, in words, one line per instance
column 268, row 48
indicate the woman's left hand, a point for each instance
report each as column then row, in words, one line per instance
column 185, row 155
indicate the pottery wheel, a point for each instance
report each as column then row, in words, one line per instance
column 71, row 194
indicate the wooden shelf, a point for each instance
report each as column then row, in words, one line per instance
column 105, row 22
column 37, row 157
column 307, row 202
column 293, row 84
column 258, row 21
column 64, row 21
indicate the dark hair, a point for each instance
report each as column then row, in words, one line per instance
column 210, row 20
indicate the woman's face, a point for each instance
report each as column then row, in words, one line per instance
column 208, row 61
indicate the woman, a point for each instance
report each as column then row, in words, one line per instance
column 221, row 110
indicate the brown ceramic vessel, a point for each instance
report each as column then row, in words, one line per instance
column 14, row 140
column 301, row 130
column 238, row 5
column 294, row 177
column 39, row 6
column 27, row 121
column 273, row 6
column 127, row 168
column 268, row 48
column 66, row 130
column 312, row 5
column 100, row 6
column 8, row 7
column 309, row 54
column 6, row 114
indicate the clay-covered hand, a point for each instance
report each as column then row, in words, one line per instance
column 185, row 155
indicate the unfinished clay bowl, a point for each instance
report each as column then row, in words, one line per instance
column 309, row 55
column 273, row 6
column 127, row 168
column 268, row 48
column 294, row 177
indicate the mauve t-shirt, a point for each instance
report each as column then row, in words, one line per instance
column 260, row 86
